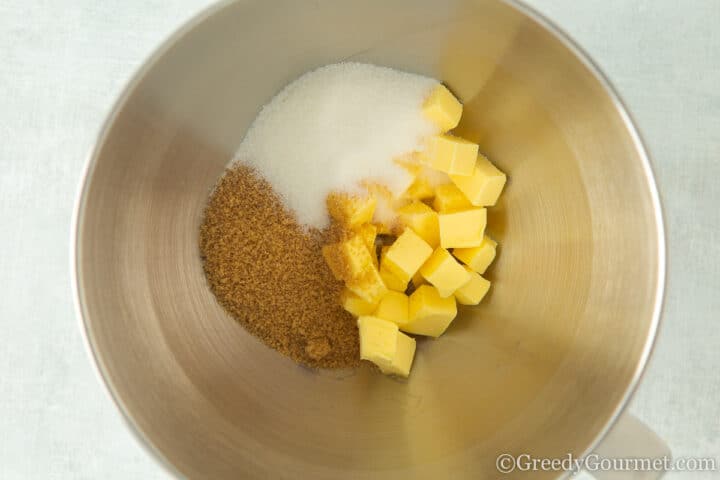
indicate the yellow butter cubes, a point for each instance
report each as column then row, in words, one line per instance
column 442, row 108
column 393, row 307
column 449, row 198
column 420, row 188
column 452, row 155
column 484, row 185
column 462, row 229
column 429, row 225
column 378, row 340
column 356, row 305
column 348, row 259
column 444, row 272
column 351, row 261
column 392, row 281
column 423, row 220
column 351, row 210
column 403, row 359
column 405, row 257
column 368, row 233
column 423, row 179
column 478, row 258
column 383, row 344
column 430, row 314
column 368, row 285
column 473, row 291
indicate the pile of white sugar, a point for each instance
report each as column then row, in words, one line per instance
column 332, row 128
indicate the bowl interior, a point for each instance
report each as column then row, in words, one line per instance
column 540, row 367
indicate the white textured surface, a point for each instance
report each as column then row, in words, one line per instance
column 363, row 117
column 63, row 63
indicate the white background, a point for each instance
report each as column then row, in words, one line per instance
column 62, row 65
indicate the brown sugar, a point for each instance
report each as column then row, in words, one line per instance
column 268, row 272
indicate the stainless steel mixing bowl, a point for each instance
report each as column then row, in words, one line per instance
column 543, row 366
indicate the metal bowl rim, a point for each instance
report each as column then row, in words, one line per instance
column 529, row 12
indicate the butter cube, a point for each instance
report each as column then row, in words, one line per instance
column 484, row 185
column 430, row 314
column 383, row 251
column 392, row 281
column 368, row 232
column 420, row 188
column 404, row 354
column 442, row 108
column 423, row 220
column 462, row 229
column 478, row 258
column 348, row 259
column 449, row 198
column 444, row 272
column 423, row 179
column 452, row 155
column 356, row 305
column 351, row 210
column 368, row 285
column 405, row 257
column 393, row 307
column 472, row 292
column 378, row 340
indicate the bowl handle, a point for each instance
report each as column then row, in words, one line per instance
column 631, row 438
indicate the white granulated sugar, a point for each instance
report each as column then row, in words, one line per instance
column 332, row 128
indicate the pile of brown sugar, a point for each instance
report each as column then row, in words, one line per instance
column 268, row 272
